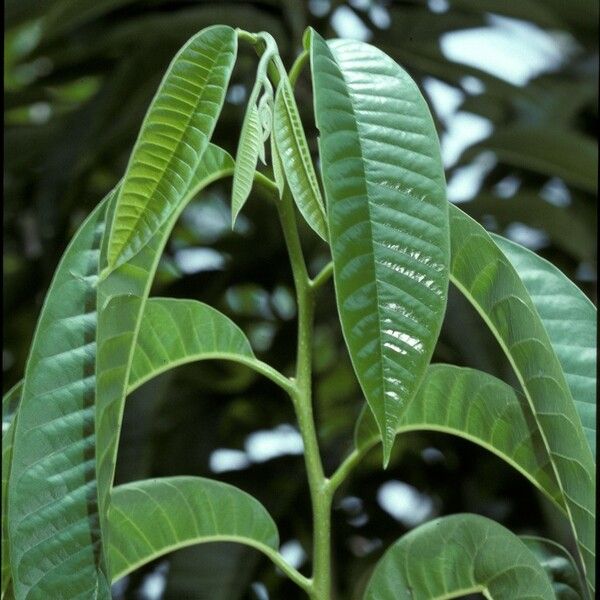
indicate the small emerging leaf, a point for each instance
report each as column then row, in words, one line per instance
column 245, row 160
column 296, row 160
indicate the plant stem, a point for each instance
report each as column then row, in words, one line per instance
column 317, row 482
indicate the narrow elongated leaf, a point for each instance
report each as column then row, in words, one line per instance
column 52, row 513
column 151, row 518
column 174, row 332
column 295, row 158
column 173, row 138
column 560, row 566
column 570, row 320
column 59, row 414
column 388, row 219
column 10, row 402
column 488, row 280
column 455, row 556
column 478, row 407
column 277, row 167
column 246, row 160
column 120, row 303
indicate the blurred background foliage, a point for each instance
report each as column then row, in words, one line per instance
column 513, row 89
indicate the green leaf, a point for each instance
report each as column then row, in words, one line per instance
column 174, row 135
column 277, row 167
column 546, row 150
column 570, row 321
column 10, row 403
column 559, row 565
column 246, row 160
column 58, row 413
column 174, row 332
column 52, row 513
column 480, row 408
column 120, row 304
column 388, row 219
column 295, row 158
column 150, row 518
column 455, row 556
column 488, row 280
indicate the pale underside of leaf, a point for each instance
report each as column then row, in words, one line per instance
column 174, row 332
column 277, row 167
column 388, row 219
column 53, row 525
column 246, row 160
column 570, row 320
column 172, row 140
column 296, row 161
column 488, row 280
column 150, row 518
column 478, row 407
column 120, row 301
column 456, row 556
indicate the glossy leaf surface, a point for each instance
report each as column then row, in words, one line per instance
column 296, row 160
column 246, row 160
column 570, row 320
column 174, row 332
column 52, row 511
column 174, row 135
column 478, row 407
column 151, row 518
column 120, row 304
column 455, row 556
column 488, row 280
column 388, row 219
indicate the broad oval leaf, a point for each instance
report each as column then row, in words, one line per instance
column 172, row 140
column 150, row 518
column 455, row 556
column 53, row 525
column 59, row 414
column 388, row 219
column 120, row 301
column 480, row 408
column 570, row 320
column 485, row 276
column 292, row 148
column 246, row 160
column 175, row 331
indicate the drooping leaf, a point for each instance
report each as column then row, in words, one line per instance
column 173, row 138
column 296, row 161
column 277, row 167
column 570, row 320
column 54, row 536
column 120, row 303
column 10, row 403
column 487, row 279
column 153, row 517
column 174, row 332
column 59, row 413
column 388, row 219
column 478, row 407
column 559, row 565
column 455, row 556
column 246, row 160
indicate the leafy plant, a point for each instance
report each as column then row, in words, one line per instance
column 395, row 243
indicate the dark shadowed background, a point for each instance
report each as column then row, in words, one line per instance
column 513, row 89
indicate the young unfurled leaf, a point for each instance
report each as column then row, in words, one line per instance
column 295, row 158
column 173, row 138
column 388, row 219
column 277, row 167
column 246, row 159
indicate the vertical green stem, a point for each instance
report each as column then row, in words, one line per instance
column 318, row 484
